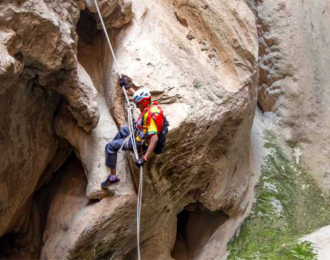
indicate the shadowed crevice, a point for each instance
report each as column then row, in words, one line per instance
column 195, row 227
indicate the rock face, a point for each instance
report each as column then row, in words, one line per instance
column 186, row 92
column 207, row 63
column 38, row 66
column 60, row 92
column 69, row 226
column 289, row 204
column 28, row 142
column 204, row 108
column 293, row 93
column 294, row 79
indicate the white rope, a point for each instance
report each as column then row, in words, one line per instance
column 138, row 209
column 131, row 129
column 139, row 199
column 130, row 124
column 106, row 34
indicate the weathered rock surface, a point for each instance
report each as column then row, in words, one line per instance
column 189, row 89
column 294, row 80
column 108, row 219
column 90, row 147
column 38, row 65
column 28, row 102
column 205, row 171
column 27, row 146
column 210, row 112
column 288, row 204
column 321, row 239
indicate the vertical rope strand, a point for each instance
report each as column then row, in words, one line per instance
column 131, row 128
column 107, row 36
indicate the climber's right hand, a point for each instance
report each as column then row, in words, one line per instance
column 141, row 161
column 123, row 83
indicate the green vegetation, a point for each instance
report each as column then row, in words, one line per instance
column 303, row 250
column 291, row 144
column 197, row 84
column 288, row 205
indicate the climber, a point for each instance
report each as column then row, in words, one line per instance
column 150, row 125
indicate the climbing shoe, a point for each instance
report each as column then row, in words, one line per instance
column 112, row 178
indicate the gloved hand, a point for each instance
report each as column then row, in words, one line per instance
column 123, row 83
column 140, row 161
column 134, row 123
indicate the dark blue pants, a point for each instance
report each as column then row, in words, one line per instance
column 112, row 148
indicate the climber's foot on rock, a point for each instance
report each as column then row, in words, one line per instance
column 110, row 180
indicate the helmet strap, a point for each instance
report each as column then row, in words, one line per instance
column 146, row 102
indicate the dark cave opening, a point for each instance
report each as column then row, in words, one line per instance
column 195, row 227
column 7, row 245
column 92, row 52
column 86, row 27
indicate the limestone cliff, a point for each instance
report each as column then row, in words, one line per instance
column 292, row 197
column 60, row 93
column 294, row 57
column 60, row 103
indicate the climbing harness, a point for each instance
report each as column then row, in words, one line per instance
column 131, row 129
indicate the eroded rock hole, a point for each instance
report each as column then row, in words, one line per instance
column 195, row 227
column 86, row 27
column 92, row 49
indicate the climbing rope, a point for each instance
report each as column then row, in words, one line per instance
column 106, row 34
column 130, row 108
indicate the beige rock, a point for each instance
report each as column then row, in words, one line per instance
column 106, row 7
column 294, row 76
column 37, row 40
column 199, row 58
column 210, row 112
column 320, row 240
column 90, row 148
column 79, row 91
column 64, row 149
column 122, row 16
column 199, row 113
column 27, row 146
column 115, row 13
column 69, row 226
column 9, row 46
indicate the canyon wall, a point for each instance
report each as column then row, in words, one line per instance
column 208, row 63
column 294, row 57
column 292, row 197
column 199, row 59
